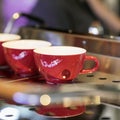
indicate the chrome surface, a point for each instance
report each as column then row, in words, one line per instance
column 104, row 85
column 93, row 44
column 91, row 89
column 101, row 90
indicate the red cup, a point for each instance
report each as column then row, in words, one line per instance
column 61, row 64
column 19, row 55
column 3, row 38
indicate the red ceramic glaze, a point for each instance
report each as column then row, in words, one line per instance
column 3, row 38
column 63, row 68
column 59, row 68
column 2, row 57
column 21, row 61
column 58, row 111
column 19, row 55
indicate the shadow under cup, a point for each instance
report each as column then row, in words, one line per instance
column 19, row 55
column 60, row 64
column 4, row 37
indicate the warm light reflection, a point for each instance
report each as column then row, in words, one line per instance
column 45, row 99
column 97, row 100
column 16, row 15
column 83, row 100
column 64, row 77
column 67, row 102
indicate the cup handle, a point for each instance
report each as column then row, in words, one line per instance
column 84, row 71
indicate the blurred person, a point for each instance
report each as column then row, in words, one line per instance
column 114, row 5
column 77, row 15
column 109, row 18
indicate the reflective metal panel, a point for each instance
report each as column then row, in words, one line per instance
column 93, row 44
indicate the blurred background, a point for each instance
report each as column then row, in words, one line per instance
column 9, row 7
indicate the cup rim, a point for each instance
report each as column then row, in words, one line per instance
column 60, row 51
column 9, row 37
column 16, row 44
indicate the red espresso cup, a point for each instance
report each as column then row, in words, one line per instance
column 61, row 64
column 3, row 38
column 19, row 55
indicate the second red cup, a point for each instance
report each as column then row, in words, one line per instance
column 4, row 37
column 19, row 55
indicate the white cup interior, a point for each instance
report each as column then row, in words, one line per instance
column 60, row 50
column 7, row 37
column 26, row 44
